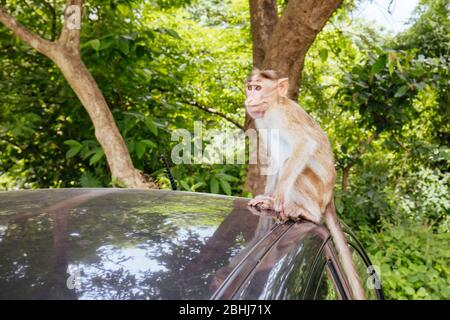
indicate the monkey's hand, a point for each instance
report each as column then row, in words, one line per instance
column 262, row 202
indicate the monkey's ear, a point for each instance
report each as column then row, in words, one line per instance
column 283, row 85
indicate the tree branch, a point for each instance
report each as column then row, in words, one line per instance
column 215, row 112
column 70, row 34
column 206, row 109
column 33, row 40
column 294, row 34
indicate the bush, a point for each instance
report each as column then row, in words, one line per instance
column 413, row 260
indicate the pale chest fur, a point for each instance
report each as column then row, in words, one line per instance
column 275, row 139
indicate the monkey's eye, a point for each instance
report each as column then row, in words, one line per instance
column 249, row 88
column 258, row 88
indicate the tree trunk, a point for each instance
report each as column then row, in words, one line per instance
column 264, row 17
column 281, row 44
column 65, row 53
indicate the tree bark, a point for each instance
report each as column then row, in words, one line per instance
column 264, row 18
column 281, row 44
column 65, row 53
column 293, row 35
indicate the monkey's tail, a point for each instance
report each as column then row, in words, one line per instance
column 340, row 242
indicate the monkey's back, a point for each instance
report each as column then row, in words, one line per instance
column 318, row 178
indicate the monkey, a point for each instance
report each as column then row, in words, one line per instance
column 301, row 168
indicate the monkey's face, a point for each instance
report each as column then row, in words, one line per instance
column 260, row 94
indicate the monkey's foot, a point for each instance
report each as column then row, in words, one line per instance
column 262, row 202
column 294, row 212
column 262, row 212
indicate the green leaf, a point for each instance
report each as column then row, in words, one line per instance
column 95, row 44
column 399, row 66
column 401, row 91
column 323, row 53
column 73, row 151
column 227, row 177
column 214, row 185
column 149, row 143
column 409, row 290
column 86, row 153
column 105, row 43
column 170, row 32
column 136, row 115
column 379, row 64
column 173, row 34
column 197, row 185
column 339, row 205
column 391, row 68
column 72, row 143
column 184, row 185
column 128, row 124
column 96, row 157
column 124, row 9
column 225, row 186
column 421, row 292
column 151, row 125
column 140, row 149
column 131, row 145
column 123, row 45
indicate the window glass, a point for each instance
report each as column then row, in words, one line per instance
column 284, row 271
column 366, row 273
column 325, row 289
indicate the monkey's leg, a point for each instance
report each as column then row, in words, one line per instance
column 262, row 202
column 296, row 211
column 301, row 202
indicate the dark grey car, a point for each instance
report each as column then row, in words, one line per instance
column 140, row 244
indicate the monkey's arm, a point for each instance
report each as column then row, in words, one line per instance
column 294, row 166
column 302, row 152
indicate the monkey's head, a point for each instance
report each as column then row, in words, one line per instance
column 263, row 89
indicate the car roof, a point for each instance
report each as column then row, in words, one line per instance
column 110, row 243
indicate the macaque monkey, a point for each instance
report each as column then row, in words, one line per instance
column 301, row 173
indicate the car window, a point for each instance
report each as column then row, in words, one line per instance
column 368, row 273
column 325, row 289
column 325, row 282
column 365, row 271
column 284, row 271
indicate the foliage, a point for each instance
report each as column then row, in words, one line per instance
column 384, row 102
column 413, row 260
column 152, row 71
